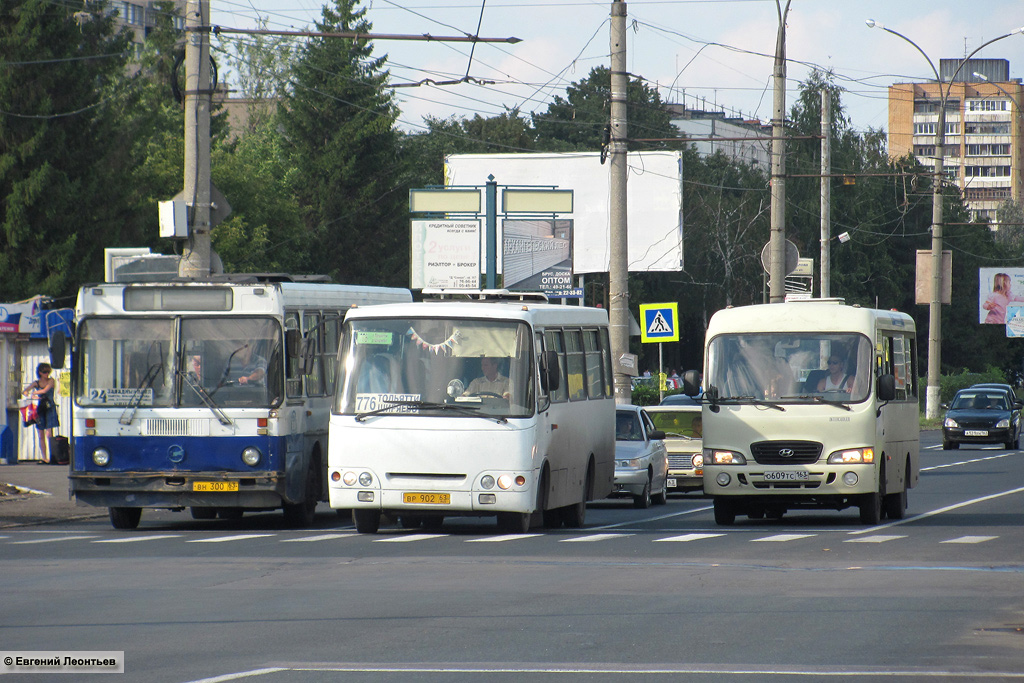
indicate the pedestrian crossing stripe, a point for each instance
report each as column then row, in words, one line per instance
column 660, row 322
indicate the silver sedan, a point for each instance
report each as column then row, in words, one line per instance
column 641, row 460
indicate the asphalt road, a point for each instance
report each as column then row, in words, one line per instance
column 655, row 595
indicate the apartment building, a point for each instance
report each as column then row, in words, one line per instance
column 983, row 152
column 141, row 17
column 743, row 140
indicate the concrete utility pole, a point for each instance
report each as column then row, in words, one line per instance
column 777, row 240
column 618, row 266
column 826, row 193
column 195, row 261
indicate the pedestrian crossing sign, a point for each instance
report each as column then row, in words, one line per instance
column 660, row 322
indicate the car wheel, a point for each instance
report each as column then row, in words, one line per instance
column 950, row 445
column 643, row 501
column 661, row 498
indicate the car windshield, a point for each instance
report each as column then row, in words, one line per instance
column 678, row 423
column 788, row 367
column 979, row 401
column 627, row 426
column 435, row 366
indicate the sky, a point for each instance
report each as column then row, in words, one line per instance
column 706, row 54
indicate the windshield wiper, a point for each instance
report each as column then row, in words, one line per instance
column 753, row 399
column 206, row 398
column 133, row 404
column 817, row 398
column 428, row 405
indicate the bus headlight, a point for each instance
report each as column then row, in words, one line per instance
column 251, row 456
column 505, row 482
column 713, row 456
column 349, row 478
column 853, row 456
column 487, row 482
column 365, row 478
column 101, row 456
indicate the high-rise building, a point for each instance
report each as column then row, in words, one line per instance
column 141, row 17
column 984, row 154
column 743, row 140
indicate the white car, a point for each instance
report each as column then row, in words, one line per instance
column 681, row 423
column 641, row 460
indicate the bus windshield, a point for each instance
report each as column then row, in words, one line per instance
column 132, row 362
column 432, row 366
column 790, row 367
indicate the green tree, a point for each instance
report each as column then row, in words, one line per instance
column 338, row 120
column 62, row 158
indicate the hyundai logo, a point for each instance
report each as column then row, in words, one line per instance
column 785, row 452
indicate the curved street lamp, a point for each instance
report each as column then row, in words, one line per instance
column 935, row 303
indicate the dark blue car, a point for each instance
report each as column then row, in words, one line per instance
column 982, row 416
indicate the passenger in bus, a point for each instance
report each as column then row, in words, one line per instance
column 836, row 379
column 195, row 367
column 492, row 383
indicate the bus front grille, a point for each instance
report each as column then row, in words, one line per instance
column 175, row 426
column 785, row 452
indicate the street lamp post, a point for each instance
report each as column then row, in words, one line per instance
column 935, row 303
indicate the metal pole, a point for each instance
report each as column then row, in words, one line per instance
column 825, row 290
column 777, row 239
column 618, row 273
column 491, row 209
column 195, row 261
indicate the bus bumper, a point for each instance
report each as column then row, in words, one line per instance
column 264, row 490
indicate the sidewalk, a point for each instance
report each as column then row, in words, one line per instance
column 32, row 493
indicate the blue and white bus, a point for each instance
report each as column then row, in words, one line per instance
column 210, row 395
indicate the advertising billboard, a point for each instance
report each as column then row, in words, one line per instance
column 1000, row 294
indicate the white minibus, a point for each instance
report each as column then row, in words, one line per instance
column 497, row 405
column 809, row 404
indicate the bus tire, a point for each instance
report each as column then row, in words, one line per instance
column 125, row 518
column 895, row 504
column 574, row 516
column 301, row 515
column 725, row 512
column 871, row 504
column 514, row 522
column 367, row 521
column 203, row 513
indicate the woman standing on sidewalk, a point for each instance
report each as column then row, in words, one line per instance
column 44, row 389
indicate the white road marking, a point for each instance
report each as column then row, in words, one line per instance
column 971, row 539
column 878, row 538
column 52, row 540
column 685, row 538
column 225, row 539
column 593, row 538
column 502, row 539
column 138, row 539
column 782, row 538
column 409, row 538
column 948, row 508
column 321, row 537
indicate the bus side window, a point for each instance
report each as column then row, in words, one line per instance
column 543, row 400
column 574, row 377
column 554, row 342
column 293, row 378
column 314, row 336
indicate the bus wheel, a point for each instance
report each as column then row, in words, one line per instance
column 366, row 521
column 643, row 501
column 301, row 515
column 895, row 504
column 575, row 515
column 514, row 522
column 203, row 513
column 725, row 512
column 871, row 508
column 125, row 518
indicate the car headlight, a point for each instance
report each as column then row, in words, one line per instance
column 251, row 456
column 950, row 423
column 631, row 464
column 853, row 456
column 1003, row 424
column 697, row 460
column 101, row 456
column 715, row 456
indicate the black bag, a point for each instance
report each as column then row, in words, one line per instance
column 60, row 450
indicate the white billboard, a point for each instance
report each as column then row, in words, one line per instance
column 445, row 254
column 654, row 201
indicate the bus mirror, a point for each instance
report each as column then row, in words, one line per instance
column 58, row 348
column 293, row 343
column 549, row 377
column 886, row 387
column 691, row 382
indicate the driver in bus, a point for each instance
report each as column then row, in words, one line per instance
column 254, row 366
column 492, row 382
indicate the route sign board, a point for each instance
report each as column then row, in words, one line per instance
column 660, row 322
